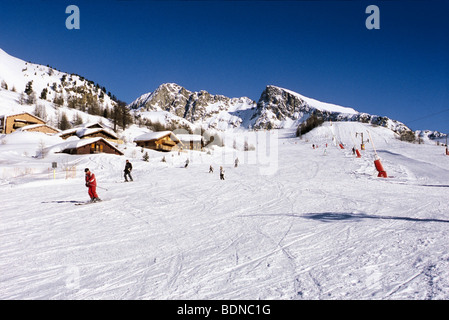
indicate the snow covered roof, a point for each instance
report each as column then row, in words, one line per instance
column 18, row 114
column 33, row 126
column 85, row 130
column 92, row 125
column 156, row 135
column 77, row 143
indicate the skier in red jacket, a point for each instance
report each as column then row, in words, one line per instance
column 91, row 183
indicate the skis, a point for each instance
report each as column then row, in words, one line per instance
column 88, row 202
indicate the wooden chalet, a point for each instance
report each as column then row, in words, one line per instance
column 192, row 141
column 10, row 123
column 87, row 146
column 44, row 128
column 92, row 130
column 159, row 141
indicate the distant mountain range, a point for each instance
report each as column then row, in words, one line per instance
column 170, row 103
column 277, row 108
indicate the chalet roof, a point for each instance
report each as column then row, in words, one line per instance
column 93, row 125
column 88, row 129
column 32, row 126
column 157, row 135
column 18, row 114
column 78, row 143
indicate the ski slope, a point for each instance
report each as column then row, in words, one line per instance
column 318, row 225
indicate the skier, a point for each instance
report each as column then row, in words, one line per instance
column 221, row 173
column 187, row 163
column 211, row 169
column 128, row 169
column 91, row 183
column 236, row 162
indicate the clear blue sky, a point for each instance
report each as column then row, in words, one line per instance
column 320, row 49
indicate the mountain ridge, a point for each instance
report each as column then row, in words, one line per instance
column 276, row 108
column 171, row 103
column 38, row 83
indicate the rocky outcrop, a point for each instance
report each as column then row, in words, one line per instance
column 277, row 108
column 199, row 108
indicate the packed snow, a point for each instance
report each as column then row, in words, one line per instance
column 289, row 222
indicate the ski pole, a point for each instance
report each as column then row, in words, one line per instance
column 102, row 188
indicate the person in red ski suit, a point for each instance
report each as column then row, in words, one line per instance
column 91, row 183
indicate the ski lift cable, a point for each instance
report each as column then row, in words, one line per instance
column 429, row 115
column 353, row 141
column 372, row 142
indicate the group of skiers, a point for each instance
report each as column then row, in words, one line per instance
column 91, row 181
column 222, row 172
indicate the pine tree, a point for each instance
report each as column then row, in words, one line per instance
column 77, row 120
column 121, row 116
column 29, row 88
column 31, row 99
column 22, row 98
column 58, row 100
column 44, row 94
column 106, row 113
column 126, row 116
column 64, row 123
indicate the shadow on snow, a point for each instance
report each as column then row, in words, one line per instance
column 342, row 216
column 333, row 216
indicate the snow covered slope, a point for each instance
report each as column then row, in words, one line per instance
column 53, row 92
column 290, row 222
column 318, row 225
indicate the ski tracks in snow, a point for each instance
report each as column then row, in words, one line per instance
column 320, row 227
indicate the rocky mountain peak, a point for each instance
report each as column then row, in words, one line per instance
column 196, row 107
column 277, row 108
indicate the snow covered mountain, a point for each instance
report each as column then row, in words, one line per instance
column 277, row 108
column 283, row 108
column 34, row 88
column 176, row 103
column 50, row 93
